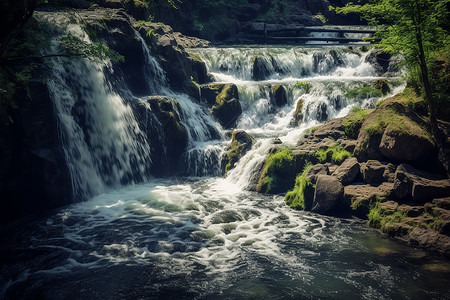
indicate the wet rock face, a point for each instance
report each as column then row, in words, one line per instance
column 33, row 173
column 278, row 95
column 160, row 118
column 183, row 70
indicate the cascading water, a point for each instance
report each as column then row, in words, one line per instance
column 320, row 77
column 103, row 144
column 204, row 238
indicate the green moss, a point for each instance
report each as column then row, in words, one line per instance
column 353, row 122
column 297, row 197
column 382, row 219
column 303, row 85
column 237, row 150
column 380, row 102
column 335, row 154
column 195, row 57
column 281, row 169
column 363, row 93
column 311, row 130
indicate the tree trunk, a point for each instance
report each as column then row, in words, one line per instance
column 438, row 137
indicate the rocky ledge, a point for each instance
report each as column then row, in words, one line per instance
column 380, row 165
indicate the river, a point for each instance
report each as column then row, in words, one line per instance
column 205, row 236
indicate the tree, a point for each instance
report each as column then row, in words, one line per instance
column 416, row 30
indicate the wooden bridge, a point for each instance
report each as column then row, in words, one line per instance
column 265, row 33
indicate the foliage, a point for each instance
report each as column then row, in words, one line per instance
column 321, row 18
column 75, row 47
column 363, row 93
column 296, row 197
column 353, row 122
column 335, row 154
column 417, row 30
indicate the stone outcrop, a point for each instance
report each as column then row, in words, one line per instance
column 418, row 185
column 184, row 71
column 33, row 173
column 378, row 184
column 223, row 102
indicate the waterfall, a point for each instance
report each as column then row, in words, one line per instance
column 103, row 144
column 318, row 77
column 112, row 137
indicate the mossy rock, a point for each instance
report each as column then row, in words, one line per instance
column 353, row 121
column 382, row 85
column 240, row 144
column 298, row 115
column 281, row 169
column 223, row 102
column 396, row 132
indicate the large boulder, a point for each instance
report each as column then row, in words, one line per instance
column 315, row 171
column 329, row 192
column 223, row 102
column 395, row 132
column 241, row 142
column 347, row 171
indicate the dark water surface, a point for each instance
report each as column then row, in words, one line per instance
column 206, row 239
